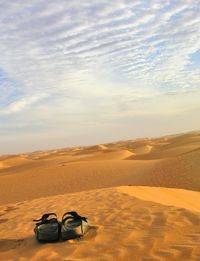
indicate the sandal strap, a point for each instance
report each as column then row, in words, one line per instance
column 44, row 219
column 70, row 213
column 73, row 216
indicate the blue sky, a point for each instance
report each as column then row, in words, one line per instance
column 86, row 72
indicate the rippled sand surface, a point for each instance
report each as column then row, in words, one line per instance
column 141, row 197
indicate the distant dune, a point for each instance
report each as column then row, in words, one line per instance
column 142, row 198
column 165, row 162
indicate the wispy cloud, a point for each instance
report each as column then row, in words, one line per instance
column 22, row 103
column 97, row 60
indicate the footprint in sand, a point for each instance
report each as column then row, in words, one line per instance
column 8, row 244
column 3, row 220
column 92, row 233
column 10, row 208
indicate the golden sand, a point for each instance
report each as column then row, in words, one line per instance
column 141, row 197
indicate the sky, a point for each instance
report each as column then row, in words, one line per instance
column 85, row 72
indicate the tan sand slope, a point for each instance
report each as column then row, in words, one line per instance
column 13, row 161
column 171, row 161
column 127, row 222
column 170, row 197
column 123, row 227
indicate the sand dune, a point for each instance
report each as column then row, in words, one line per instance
column 103, row 154
column 123, row 227
column 70, row 170
column 179, row 198
column 13, row 161
column 143, row 150
column 134, row 193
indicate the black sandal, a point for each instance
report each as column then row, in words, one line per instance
column 47, row 228
column 73, row 225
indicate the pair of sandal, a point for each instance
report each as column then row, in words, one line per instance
column 49, row 229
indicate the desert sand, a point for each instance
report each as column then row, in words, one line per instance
column 142, row 198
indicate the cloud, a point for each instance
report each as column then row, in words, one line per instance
column 85, row 58
column 22, row 103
